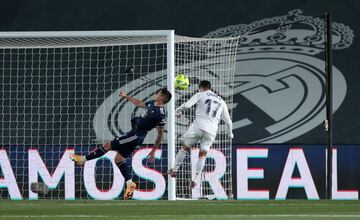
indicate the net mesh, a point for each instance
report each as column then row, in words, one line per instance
column 60, row 95
column 213, row 61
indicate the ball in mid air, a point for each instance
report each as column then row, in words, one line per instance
column 181, row 82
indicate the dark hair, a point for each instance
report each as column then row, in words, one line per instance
column 205, row 84
column 165, row 93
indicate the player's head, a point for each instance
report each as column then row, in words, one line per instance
column 204, row 85
column 162, row 96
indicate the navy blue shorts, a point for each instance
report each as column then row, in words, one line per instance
column 126, row 144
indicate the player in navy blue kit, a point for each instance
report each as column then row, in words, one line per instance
column 152, row 116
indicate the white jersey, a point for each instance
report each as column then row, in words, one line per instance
column 210, row 109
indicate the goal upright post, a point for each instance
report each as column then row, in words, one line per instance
column 171, row 112
column 30, row 56
column 60, row 95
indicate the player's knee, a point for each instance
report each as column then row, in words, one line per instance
column 185, row 148
column 119, row 159
column 107, row 146
column 202, row 154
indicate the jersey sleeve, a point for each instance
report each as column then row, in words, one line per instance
column 192, row 101
column 226, row 118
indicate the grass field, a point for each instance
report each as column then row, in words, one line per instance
column 173, row 210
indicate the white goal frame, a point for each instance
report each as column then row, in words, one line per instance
column 170, row 41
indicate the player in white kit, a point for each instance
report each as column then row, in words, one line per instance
column 210, row 109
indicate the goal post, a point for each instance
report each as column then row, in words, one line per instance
column 213, row 60
column 171, row 112
column 59, row 95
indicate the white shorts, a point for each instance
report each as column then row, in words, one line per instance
column 194, row 135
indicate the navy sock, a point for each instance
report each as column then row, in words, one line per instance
column 124, row 169
column 98, row 152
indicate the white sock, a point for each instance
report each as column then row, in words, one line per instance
column 198, row 169
column 179, row 159
column 129, row 182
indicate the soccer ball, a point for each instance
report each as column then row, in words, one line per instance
column 181, row 82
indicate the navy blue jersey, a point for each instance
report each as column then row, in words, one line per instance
column 151, row 117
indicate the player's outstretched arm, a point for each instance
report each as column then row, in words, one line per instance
column 160, row 131
column 192, row 101
column 225, row 116
column 133, row 100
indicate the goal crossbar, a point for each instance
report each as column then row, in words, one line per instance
column 198, row 57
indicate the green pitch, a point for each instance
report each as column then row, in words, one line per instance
column 173, row 210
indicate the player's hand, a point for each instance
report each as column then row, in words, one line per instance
column 230, row 136
column 151, row 155
column 123, row 94
column 178, row 114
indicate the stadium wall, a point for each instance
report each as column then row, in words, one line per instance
column 268, row 118
column 259, row 172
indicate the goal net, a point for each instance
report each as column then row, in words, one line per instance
column 59, row 95
column 212, row 60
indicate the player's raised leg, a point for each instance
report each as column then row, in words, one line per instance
column 125, row 146
column 191, row 136
column 98, row 152
column 125, row 171
column 179, row 159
